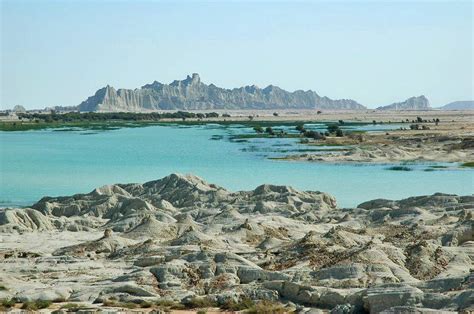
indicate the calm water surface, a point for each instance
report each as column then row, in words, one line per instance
column 38, row 163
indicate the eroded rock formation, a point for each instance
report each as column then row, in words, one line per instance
column 191, row 94
column 179, row 238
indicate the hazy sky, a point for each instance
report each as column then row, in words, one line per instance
column 61, row 52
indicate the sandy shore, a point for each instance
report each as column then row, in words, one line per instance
column 465, row 116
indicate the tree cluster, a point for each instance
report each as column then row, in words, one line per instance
column 105, row 116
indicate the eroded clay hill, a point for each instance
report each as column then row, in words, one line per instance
column 180, row 238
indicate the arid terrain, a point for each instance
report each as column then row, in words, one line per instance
column 180, row 242
column 247, row 157
column 440, row 144
column 459, row 116
column 438, row 136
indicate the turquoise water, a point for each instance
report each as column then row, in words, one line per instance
column 46, row 162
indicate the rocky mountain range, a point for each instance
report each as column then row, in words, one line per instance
column 192, row 94
column 412, row 103
column 180, row 241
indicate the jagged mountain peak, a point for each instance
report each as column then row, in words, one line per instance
column 189, row 80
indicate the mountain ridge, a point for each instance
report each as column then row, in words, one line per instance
column 412, row 103
column 192, row 94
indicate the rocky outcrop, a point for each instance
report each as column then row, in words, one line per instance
column 412, row 103
column 24, row 220
column 180, row 238
column 191, row 93
column 108, row 244
column 126, row 205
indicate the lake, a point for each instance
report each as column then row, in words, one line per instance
column 34, row 164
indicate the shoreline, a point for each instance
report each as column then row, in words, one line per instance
column 264, row 117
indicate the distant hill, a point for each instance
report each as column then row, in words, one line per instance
column 19, row 108
column 191, row 93
column 459, row 105
column 412, row 103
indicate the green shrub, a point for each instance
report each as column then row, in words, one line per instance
column 314, row 134
column 128, row 305
column 468, row 164
column 300, row 128
column 198, row 303
column 212, row 115
column 8, row 303
column 258, row 129
column 178, row 306
column 70, row 306
column 332, row 128
column 145, row 304
column 168, row 304
column 36, row 305
column 109, row 303
column 242, row 304
column 267, row 307
column 113, row 303
column 42, row 304
column 74, row 307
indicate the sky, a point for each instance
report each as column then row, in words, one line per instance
column 375, row 52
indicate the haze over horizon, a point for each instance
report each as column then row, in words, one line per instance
column 58, row 53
